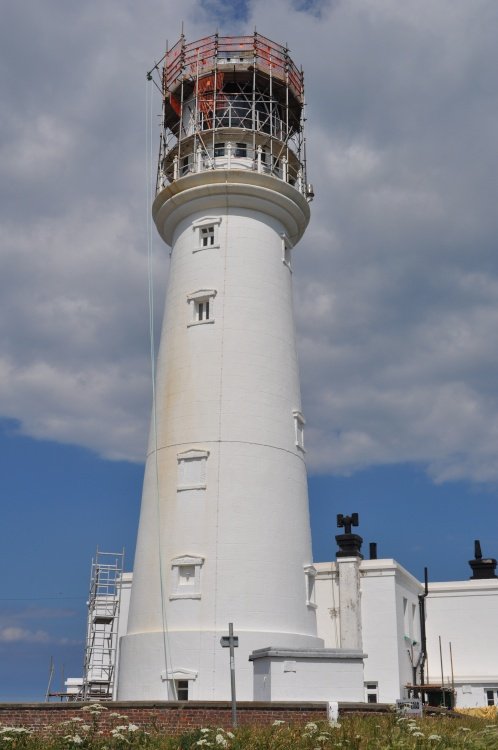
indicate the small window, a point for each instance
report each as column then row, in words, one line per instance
column 181, row 690
column 219, row 149
column 299, row 423
column 202, row 304
column 207, row 236
column 241, row 150
column 202, row 310
column 206, row 233
column 372, row 692
column 491, row 697
column 310, row 574
column 186, row 575
column 286, row 251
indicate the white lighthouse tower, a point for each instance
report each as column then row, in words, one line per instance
column 224, row 530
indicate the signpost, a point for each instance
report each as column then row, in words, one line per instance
column 231, row 641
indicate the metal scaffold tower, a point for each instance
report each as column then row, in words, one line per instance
column 102, row 632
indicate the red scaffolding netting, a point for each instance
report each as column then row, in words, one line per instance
column 195, row 60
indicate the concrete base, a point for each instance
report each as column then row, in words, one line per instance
column 331, row 674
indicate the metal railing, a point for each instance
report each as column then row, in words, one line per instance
column 232, row 156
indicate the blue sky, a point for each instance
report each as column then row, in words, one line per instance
column 396, row 289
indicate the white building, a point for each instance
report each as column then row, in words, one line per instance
column 461, row 613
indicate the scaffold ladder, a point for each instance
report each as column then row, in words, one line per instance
column 102, row 631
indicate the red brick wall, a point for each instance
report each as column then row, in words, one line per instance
column 171, row 717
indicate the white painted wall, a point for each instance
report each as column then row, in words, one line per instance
column 332, row 675
column 465, row 614
column 384, row 584
column 228, row 388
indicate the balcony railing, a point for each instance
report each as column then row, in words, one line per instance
column 232, row 156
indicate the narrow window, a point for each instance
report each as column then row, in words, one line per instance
column 241, row 150
column 181, row 690
column 310, row 574
column 219, row 149
column 371, row 692
column 490, row 697
column 202, row 310
column 406, row 618
column 299, row 423
column 286, row 251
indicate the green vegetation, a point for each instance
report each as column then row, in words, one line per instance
column 378, row 732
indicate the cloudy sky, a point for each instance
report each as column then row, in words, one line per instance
column 396, row 286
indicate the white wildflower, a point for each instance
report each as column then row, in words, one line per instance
column 311, row 727
column 205, row 731
column 220, row 740
column 417, row 734
column 86, row 727
column 230, row 734
column 278, row 723
column 133, row 728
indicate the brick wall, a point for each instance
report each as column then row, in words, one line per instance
column 172, row 717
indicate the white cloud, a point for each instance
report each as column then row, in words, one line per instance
column 23, row 635
column 396, row 279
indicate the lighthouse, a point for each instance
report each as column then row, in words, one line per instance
column 224, row 534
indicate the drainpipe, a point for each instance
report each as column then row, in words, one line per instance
column 423, row 635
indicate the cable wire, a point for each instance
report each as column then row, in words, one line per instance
column 150, row 275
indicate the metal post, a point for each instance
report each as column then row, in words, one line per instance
column 442, row 673
column 232, row 674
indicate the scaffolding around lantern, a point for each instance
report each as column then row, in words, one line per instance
column 232, row 103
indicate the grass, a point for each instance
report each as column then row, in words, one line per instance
column 381, row 732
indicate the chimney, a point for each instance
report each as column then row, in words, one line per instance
column 482, row 567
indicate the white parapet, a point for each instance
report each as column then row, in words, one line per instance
column 286, row 674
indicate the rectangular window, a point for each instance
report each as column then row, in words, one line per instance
column 219, row 149
column 207, row 236
column 371, row 692
column 241, row 150
column 299, row 423
column 491, row 696
column 286, row 251
column 206, row 233
column 202, row 310
column 186, row 575
column 310, row 574
column 202, row 303
column 181, row 690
